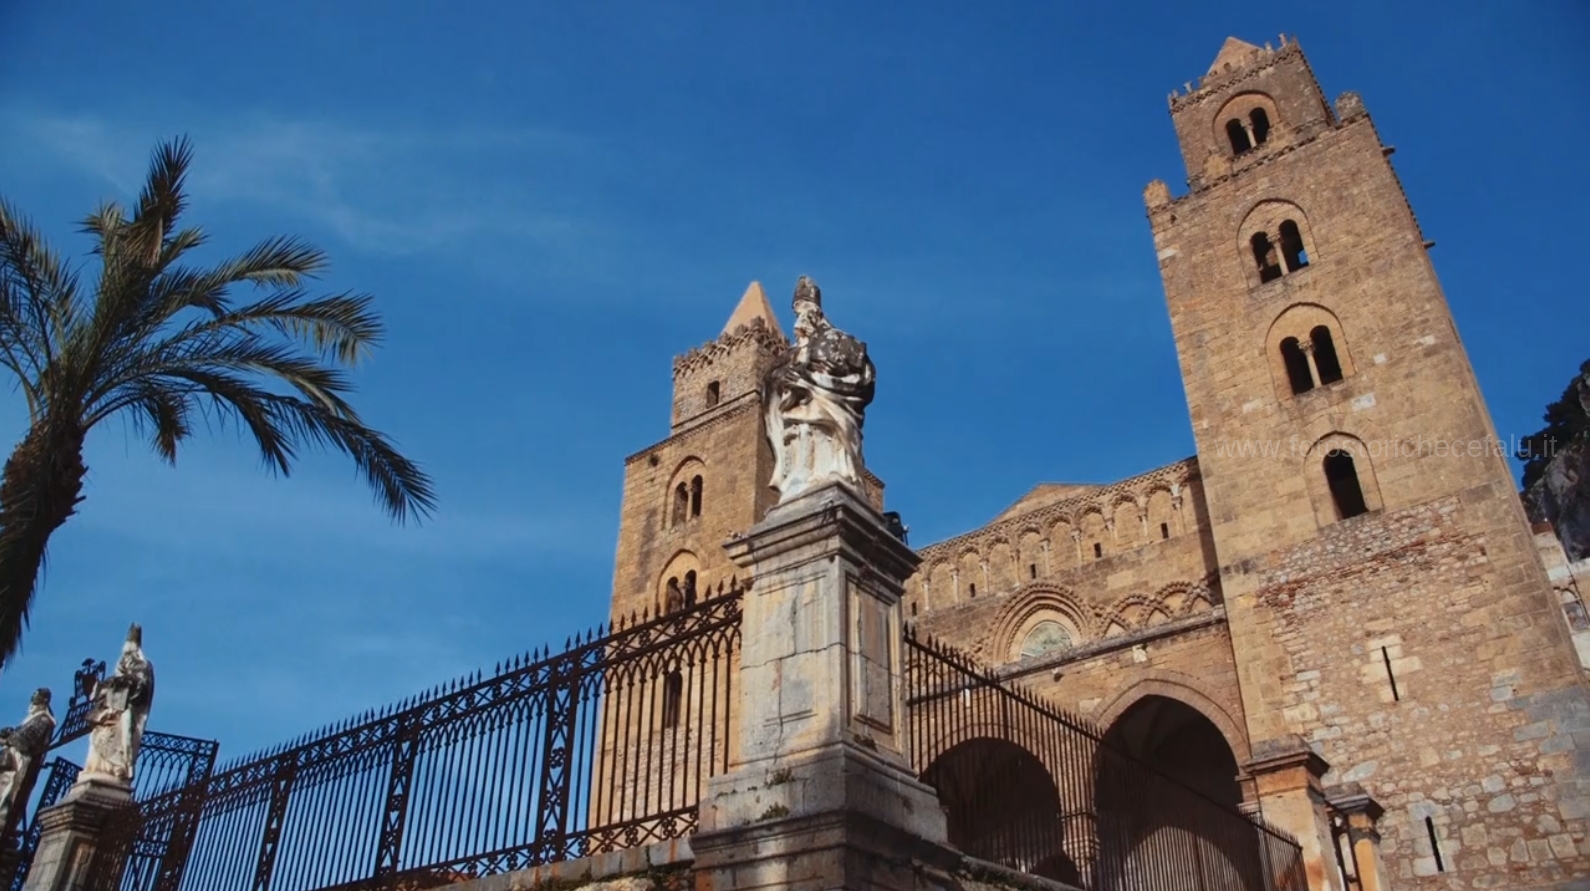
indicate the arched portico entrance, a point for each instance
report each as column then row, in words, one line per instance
column 1170, row 826
column 1002, row 806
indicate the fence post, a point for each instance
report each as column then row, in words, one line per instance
column 820, row 792
column 1286, row 774
column 405, row 749
column 275, row 815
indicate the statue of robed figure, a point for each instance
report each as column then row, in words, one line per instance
column 118, row 711
column 814, row 401
column 21, row 749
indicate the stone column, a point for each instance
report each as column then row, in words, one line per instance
column 1360, row 813
column 84, row 840
column 1286, row 775
column 821, row 795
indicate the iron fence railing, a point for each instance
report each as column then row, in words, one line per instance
column 1035, row 788
column 604, row 745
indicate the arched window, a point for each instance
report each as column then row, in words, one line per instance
column 1238, row 135
column 673, row 694
column 1264, row 256
column 1045, row 637
column 695, row 496
column 1297, row 373
column 1292, row 247
column 681, row 509
column 1261, row 126
column 1325, row 359
column 1346, row 492
column 712, row 394
column 689, row 591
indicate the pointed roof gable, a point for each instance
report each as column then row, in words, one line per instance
column 1234, row 53
column 753, row 305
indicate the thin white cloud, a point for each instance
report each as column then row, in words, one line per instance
column 389, row 189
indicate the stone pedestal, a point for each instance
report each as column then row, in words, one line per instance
column 80, row 848
column 821, row 794
column 1286, row 776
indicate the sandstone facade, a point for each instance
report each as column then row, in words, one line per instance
column 1344, row 561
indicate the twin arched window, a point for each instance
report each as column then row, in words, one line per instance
column 1246, row 135
column 686, row 501
column 1312, row 362
column 1276, row 258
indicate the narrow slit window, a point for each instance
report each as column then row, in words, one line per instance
column 971, row 590
column 1260, row 122
column 1346, row 492
column 1325, row 358
column 1391, row 676
column 1098, row 550
column 1297, row 371
column 913, row 607
column 1238, row 135
column 1032, row 570
column 1435, row 845
column 1164, row 530
column 1264, row 257
column 1292, row 247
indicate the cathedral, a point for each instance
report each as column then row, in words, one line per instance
column 1342, row 570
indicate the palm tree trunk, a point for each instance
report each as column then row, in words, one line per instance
column 42, row 485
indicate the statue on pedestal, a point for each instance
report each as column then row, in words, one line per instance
column 815, row 400
column 21, row 749
column 118, row 712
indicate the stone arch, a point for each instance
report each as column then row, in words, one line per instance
column 970, row 564
column 1119, row 612
column 941, row 585
column 1299, row 323
column 1184, row 689
column 1002, row 805
column 1327, row 497
column 1185, row 598
column 684, row 491
column 1268, row 218
column 1127, row 512
column 1032, row 605
column 1002, row 574
column 1030, row 559
column 1240, row 109
column 1161, row 515
column 678, row 581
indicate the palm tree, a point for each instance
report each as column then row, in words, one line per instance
column 158, row 341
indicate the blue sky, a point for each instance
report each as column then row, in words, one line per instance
column 550, row 201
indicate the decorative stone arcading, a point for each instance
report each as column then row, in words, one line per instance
column 1173, row 478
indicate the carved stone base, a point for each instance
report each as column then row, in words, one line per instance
column 76, row 851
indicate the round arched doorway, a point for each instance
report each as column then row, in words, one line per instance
column 1002, row 806
column 1167, row 796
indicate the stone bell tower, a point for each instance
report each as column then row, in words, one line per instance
column 1386, row 607
column 686, row 494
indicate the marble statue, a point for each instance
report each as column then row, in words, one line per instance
column 21, row 749
column 814, row 400
column 118, row 711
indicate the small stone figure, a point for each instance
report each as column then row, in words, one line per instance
column 118, row 712
column 815, row 400
column 21, row 748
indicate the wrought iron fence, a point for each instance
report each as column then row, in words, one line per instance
column 1035, row 788
column 553, row 756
